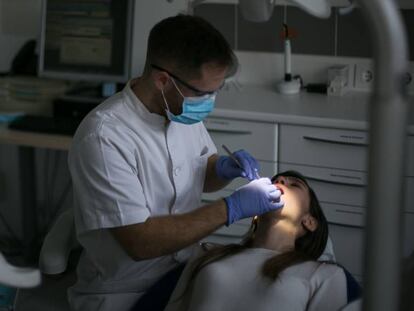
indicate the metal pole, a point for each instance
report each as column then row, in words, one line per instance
column 388, row 125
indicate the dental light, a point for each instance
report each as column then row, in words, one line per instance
column 261, row 10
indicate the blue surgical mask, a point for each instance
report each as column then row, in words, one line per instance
column 195, row 109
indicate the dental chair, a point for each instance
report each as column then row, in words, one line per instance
column 57, row 262
column 58, row 268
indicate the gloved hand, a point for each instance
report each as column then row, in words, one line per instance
column 255, row 198
column 227, row 168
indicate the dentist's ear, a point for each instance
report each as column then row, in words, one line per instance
column 310, row 223
column 160, row 79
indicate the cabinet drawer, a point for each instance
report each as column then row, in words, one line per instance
column 259, row 139
column 333, row 185
column 353, row 216
column 348, row 244
column 342, row 149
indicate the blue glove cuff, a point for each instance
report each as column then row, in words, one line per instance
column 220, row 168
column 231, row 211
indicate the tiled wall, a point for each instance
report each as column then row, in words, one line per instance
column 339, row 35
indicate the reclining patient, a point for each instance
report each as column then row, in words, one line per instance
column 274, row 268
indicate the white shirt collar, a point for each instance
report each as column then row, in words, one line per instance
column 152, row 119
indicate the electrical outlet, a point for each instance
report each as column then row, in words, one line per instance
column 364, row 76
column 409, row 79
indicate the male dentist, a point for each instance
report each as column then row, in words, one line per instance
column 140, row 161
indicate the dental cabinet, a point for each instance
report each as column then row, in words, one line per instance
column 324, row 138
column 334, row 162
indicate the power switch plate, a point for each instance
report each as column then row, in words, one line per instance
column 364, row 76
column 409, row 79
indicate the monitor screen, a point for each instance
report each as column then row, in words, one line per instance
column 86, row 40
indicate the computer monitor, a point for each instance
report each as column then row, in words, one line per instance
column 86, row 40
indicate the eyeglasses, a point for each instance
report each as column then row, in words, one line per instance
column 187, row 85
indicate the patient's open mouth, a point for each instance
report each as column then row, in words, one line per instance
column 281, row 190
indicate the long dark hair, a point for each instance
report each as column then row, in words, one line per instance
column 307, row 248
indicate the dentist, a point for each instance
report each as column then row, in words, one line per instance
column 140, row 161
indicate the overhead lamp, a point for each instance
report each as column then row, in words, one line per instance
column 261, row 10
column 317, row 8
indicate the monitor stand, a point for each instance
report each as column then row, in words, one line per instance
column 82, row 98
column 91, row 92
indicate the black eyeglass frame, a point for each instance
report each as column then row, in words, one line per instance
column 186, row 84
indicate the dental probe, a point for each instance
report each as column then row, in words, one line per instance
column 231, row 155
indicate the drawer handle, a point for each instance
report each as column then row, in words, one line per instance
column 349, row 212
column 340, row 224
column 328, row 140
column 342, row 183
column 236, row 132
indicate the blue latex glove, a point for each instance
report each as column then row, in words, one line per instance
column 227, row 168
column 257, row 197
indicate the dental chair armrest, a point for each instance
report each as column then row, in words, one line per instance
column 58, row 244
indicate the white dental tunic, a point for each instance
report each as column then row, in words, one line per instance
column 128, row 164
column 235, row 283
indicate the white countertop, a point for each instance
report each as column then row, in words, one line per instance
column 256, row 103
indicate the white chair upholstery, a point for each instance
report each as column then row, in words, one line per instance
column 18, row 277
column 353, row 306
column 58, row 244
column 53, row 263
column 328, row 254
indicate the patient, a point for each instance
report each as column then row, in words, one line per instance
column 274, row 268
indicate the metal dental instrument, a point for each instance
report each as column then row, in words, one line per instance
column 231, row 155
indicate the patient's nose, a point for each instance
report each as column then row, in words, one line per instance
column 282, row 180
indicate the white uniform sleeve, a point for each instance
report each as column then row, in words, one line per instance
column 107, row 190
column 331, row 295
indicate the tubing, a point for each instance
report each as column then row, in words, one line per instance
column 388, row 131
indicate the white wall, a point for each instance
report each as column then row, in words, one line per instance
column 147, row 14
column 19, row 22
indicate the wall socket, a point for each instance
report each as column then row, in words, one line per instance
column 409, row 79
column 364, row 76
